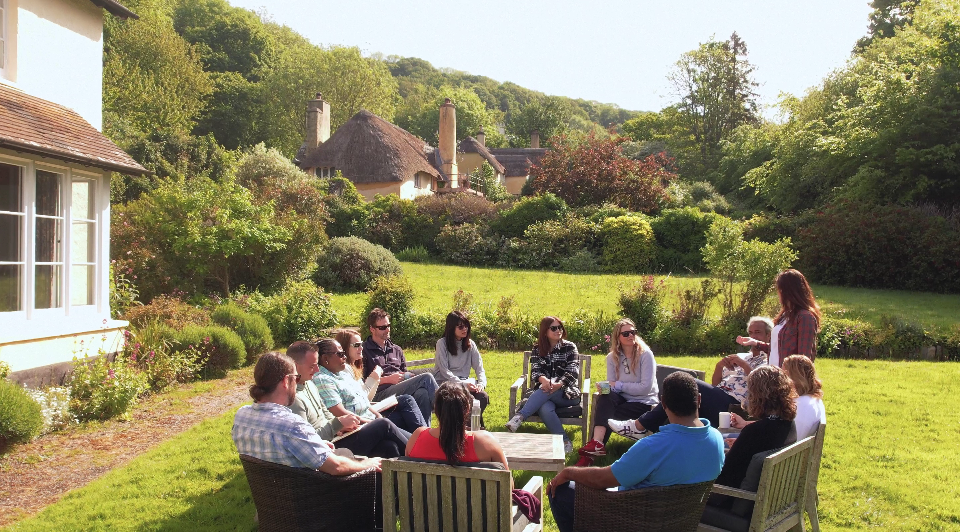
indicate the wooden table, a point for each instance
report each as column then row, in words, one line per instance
column 532, row 452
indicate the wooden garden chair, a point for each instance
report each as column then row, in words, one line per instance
column 778, row 502
column 655, row 509
column 571, row 415
column 810, row 505
column 420, row 496
column 424, row 365
column 662, row 372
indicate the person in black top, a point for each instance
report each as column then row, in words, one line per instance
column 770, row 401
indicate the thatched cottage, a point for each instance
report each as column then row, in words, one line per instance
column 381, row 158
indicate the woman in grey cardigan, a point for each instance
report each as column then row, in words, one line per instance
column 456, row 355
column 632, row 381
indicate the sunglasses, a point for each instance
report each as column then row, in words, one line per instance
column 463, row 326
column 356, row 344
column 628, row 334
column 556, row 328
column 297, row 375
column 340, row 354
column 381, row 327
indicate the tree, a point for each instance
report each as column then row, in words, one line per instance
column 716, row 91
column 420, row 114
column 549, row 116
column 887, row 18
column 596, row 171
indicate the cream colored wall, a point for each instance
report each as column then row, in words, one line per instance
column 405, row 190
column 469, row 162
column 514, row 184
column 57, row 52
column 46, row 351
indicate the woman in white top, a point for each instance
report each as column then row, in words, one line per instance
column 456, row 355
column 809, row 399
column 353, row 345
column 632, row 377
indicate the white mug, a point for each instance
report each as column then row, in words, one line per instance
column 724, row 420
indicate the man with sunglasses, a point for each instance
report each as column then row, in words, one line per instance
column 378, row 350
column 268, row 430
column 379, row 437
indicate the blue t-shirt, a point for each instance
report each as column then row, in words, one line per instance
column 675, row 455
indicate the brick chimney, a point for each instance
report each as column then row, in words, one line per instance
column 535, row 138
column 318, row 123
column 481, row 137
column 448, row 141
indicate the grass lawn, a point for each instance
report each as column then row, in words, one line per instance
column 891, row 458
column 435, row 285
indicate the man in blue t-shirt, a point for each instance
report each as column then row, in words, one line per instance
column 687, row 451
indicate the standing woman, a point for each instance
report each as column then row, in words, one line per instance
column 353, row 345
column 796, row 325
column 554, row 376
column 632, row 374
column 456, row 355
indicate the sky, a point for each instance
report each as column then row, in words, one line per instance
column 610, row 51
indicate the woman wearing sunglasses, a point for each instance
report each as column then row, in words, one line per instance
column 342, row 393
column 554, row 376
column 353, row 346
column 632, row 374
column 456, row 355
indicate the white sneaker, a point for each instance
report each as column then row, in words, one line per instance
column 567, row 446
column 627, row 429
column 514, row 423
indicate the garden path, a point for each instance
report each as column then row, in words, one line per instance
column 40, row 472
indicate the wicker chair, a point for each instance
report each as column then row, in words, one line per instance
column 667, row 509
column 296, row 499
column 569, row 415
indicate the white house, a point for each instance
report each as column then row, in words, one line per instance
column 55, row 169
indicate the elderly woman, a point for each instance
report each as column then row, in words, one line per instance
column 456, row 355
column 554, row 376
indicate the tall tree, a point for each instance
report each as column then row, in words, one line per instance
column 549, row 116
column 887, row 18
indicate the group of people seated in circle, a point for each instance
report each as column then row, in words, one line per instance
column 314, row 402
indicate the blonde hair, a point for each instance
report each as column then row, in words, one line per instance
column 639, row 346
column 801, row 371
column 769, row 394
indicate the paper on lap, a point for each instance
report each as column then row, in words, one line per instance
column 386, row 404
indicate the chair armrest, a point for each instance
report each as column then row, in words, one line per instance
column 513, row 395
column 734, row 492
column 521, row 523
column 535, row 486
column 586, row 387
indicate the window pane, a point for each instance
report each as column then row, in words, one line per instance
column 48, row 194
column 47, row 287
column 84, row 245
column 11, row 238
column 82, row 284
column 82, row 205
column 48, row 241
column 11, row 194
column 11, row 279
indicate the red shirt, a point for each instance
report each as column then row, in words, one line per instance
column 428, row 448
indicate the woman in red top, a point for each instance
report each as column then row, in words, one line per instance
column 452, row 441
column 796, row 326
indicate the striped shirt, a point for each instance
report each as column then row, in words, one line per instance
column 273, row 433
column 343, row 388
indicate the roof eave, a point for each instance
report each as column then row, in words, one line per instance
column 73, row 158
column 115, row 8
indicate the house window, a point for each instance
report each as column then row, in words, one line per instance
column 416, row 181
column 83, row 243
column 12, row 227
column 48, row 257
column 328, row 171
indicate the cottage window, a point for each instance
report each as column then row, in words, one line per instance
column 416, row 181
column 49, row 227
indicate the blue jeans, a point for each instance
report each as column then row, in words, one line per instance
column 420, row 387
column 561, row 504
column 545, row 405
column 406, row 414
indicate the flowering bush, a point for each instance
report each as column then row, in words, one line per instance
column 168, row 310
column 4, row 369
column 54, row 406
column 101, row 389
column 149, row 350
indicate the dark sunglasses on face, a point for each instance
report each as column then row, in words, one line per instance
column 382, row 327
column 463, row 326
column 297, row 375
column 627, row 334
column 340, row 354
column 356, row 344
column 556, row 328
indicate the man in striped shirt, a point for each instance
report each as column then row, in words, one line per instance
column 270, row 431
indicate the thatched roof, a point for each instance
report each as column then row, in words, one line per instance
column 472, row 145
column 368, row 149
column 517, row 161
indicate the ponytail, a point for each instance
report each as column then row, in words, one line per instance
column 270, row 370
column 451, row 404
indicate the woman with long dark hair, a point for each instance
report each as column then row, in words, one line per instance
column 796, row 325
column 456, row 355
column 451, row 441
column 554, row 377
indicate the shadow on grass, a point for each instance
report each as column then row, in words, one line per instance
column 228, row 508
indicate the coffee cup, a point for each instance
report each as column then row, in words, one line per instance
column 604, row 387
column 724, row 420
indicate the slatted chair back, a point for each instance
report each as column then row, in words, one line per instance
column 782, row 490
column 436, row 497
column 814, row 473
column 524, row 387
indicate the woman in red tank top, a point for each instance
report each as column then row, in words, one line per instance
column 452, row 441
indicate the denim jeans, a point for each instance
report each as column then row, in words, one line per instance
column 421, row 387
column 545, row 405
column 561, row 504
column 406, row 414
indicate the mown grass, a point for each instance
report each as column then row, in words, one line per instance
column 891, row 458
column 545, row 293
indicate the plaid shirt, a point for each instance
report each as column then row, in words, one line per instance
column 273, row 433
column 337, row 388
column 561, row 363
column 797, row 337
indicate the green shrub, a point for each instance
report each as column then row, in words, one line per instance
column 514, row 221
column 346, row 208
column 150, row 350
column 680, row 234
column 169, row 310
column 466, row 244
column 253, row 329
column 396, row 223
column 599, row 213
column 590, row 331
column 20, row 416
column 299, row 312
column 694, row 303
column 219, row 348
column 414, row 254
column 54, row 407
column 101, row 389
column 643, row 303
column 393, row 294
column 546, row 243
column 351, row 263
column 581, row 261
column 4, row 369
column 628, row 244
